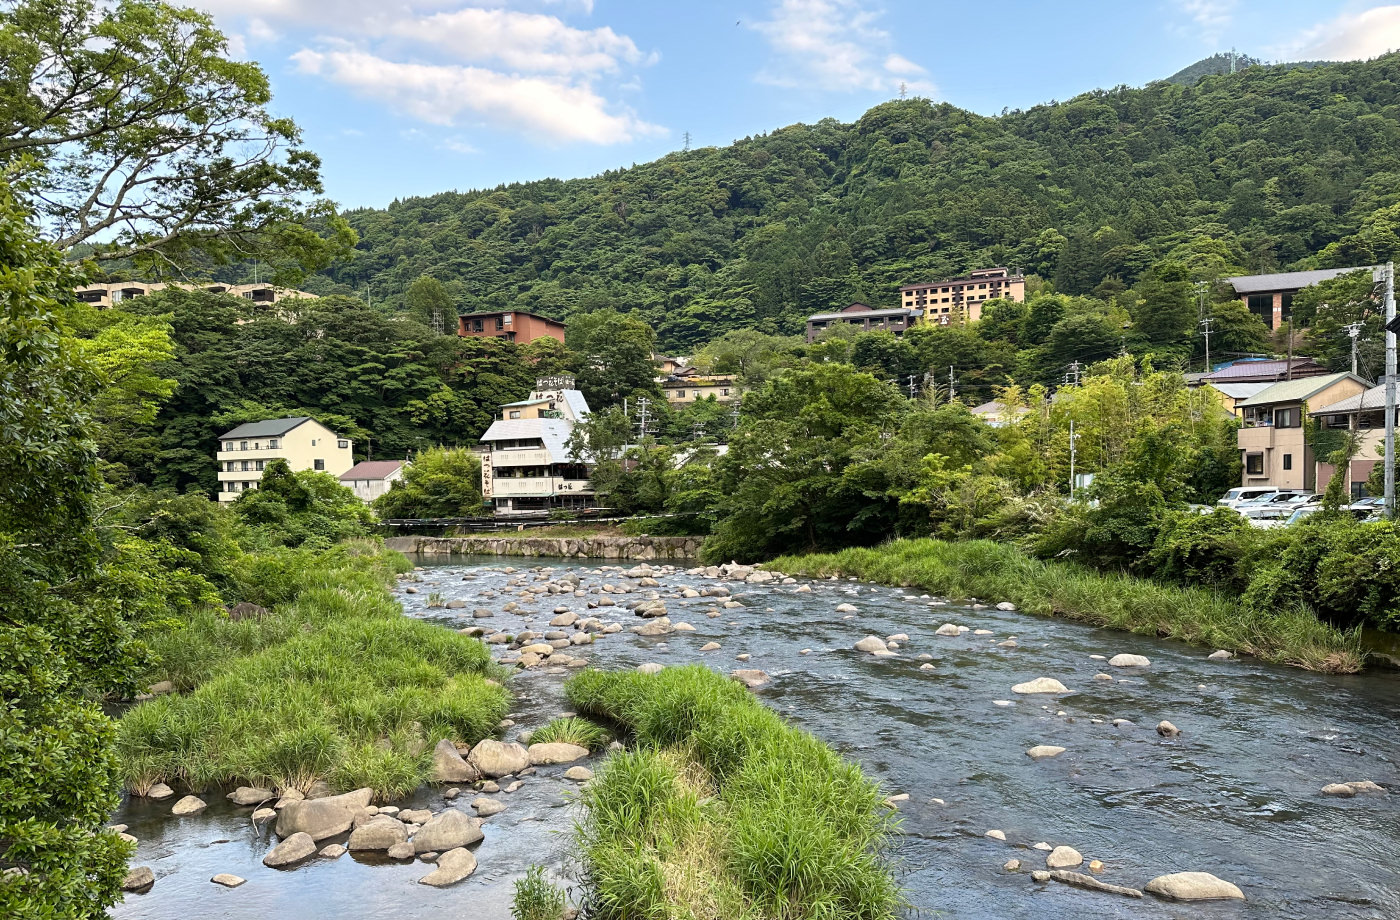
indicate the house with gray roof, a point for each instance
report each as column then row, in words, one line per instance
column 526, row 467
column 245, row 451
column 1273, row 444
column 1270, row 297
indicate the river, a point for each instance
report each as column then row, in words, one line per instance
column 1236, row 795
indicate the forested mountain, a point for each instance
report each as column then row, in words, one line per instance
column 1258, row 170
column 1217, row 64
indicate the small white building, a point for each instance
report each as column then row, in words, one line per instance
column 526, row 468
column 370, row 479
column 244, row 452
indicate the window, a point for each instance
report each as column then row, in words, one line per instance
column 507, row 318
column 680, row 394
column 228, row 445
column 318, row 465
column 725, row 392
column 242, row 445
column 1288, row 461
column 514, row 413
column 342, row 444
column 313, row 442
column 1254, row 464
column 247, row 465
column 500, row 322
column 476, row 325
column 1286, row 418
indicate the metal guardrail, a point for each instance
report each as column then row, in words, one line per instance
column 491, row 524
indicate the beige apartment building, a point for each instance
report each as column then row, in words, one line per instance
column 688, row 385
column 1272, row 440
column 1365, row 414
column 107, row 294
column 527, row 468
column 244, row 452
column 956, row 300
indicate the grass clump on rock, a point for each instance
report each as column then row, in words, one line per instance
column 572, row 730
column 1001, row 572
column 723, row 811
column 537, row 899
column 334, row 683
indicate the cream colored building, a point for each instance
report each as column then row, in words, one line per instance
column 306, row 444
column 106, row 294
column 684, row 388
column 370, row 479
column 956, row 300
column 1273, row 443
column 527, row 468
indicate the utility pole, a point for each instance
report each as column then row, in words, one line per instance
column 913, row 387
column 1072, row 438
column 1390, row 391
column 1073, row 373
column 952, row 390
column 1201, row 288
column 1206, row 324
column 1353, row 330
column 642, row 404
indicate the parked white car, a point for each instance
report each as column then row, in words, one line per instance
column 1244, row 494
column 1277, row 506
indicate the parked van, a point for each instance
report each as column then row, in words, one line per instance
column 1244, row 494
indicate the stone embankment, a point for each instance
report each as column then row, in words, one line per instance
column 643, row 548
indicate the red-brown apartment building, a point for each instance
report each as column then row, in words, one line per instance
column 512, row 325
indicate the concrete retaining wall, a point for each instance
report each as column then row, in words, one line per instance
column 566, row 547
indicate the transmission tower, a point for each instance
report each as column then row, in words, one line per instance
column 686, row 138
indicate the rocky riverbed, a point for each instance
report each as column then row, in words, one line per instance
column 1042, row 768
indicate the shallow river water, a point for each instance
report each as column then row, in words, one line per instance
column 1237, row 795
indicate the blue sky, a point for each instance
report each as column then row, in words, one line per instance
column 412, row 97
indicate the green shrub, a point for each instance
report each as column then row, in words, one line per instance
column 535, row 898
column 572, row 730
column 723, row 810
column 1214, row 549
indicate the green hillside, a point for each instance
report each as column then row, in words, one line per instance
column 1217, row 64
column 1257, row 170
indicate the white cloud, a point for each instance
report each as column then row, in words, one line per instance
column 457, row 146
column 834, row 45
column 1349, row 37
column 529, row 42
column 1211, row 17
column 548, row 109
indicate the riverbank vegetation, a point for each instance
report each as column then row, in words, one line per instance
column 721, row 810
column 333, row 683
column 996, row 572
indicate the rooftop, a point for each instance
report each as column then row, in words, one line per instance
column 1374, row 398
column 1296, row 390
column 271, row 428
column 1268, row 370
column 372, row 469
column 1241, row 390
column 504, row 312
column 863, row 314
column 1292, row 281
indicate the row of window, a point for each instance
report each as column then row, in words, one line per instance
column 680, row 394
column 1291, row 417
column 478, row 325
column 257, row 466
column 275, row 444
column 1254, row 464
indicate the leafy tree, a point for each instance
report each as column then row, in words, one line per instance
column 441, row 482
column 1328, row 307
column 134, row 131
column 429, row 301
column 613, row 357
column 62, row 648
column 301, row 508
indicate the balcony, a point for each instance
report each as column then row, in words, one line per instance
column 539, row 487
column 502, row 459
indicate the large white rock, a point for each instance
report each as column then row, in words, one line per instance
column 1063, row 858
column 325, row 817
column 138, row 878
column 871, row 644
column 250, row 795
column 378, row 834
column 947, row 629
column 293, row 849
column 494, row 758
column 189, row 805
column 1041, row 685
column 1129, row 661
column 1044, row 752
column 447, row 831
column 1193, row 886
column 452, row 866
column 228, row 880
column 450, row 767
column 846, row 608
column 556, row 752
column 752, row 678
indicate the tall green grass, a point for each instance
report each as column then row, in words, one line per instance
column 723, row 811
column 572, row 730
column 999, row 572
column 333, row 684
column 537, row 899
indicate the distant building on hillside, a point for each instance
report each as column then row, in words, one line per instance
column 1272, row 440
column 686, row 385
column 370, row 479
column 1363, row 413
column 244, row 452
column 512, row 325
column 865, row 318
column 526, row 468
column 1265, row 370
column 106, row 294
column 1270, row 297
column 955, row 300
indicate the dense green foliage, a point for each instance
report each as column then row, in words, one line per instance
column 722, row 810
column 1287, row 633
column 441, row 482
column 302, row 507
column 333, row 683
column 1252, row 171
column 70, row 621
column 536, row 898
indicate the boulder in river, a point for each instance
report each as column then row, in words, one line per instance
column 159, row 791
column 1221, row 655
column 452, row 866
column 189, row 805
column 996, row 835
column 1080, row 880
column 447, row 831
column 250, row 795
column 378, row 833
column 1044, row 752
column 486, row 807
column 139, row 879
column 324, row 817
column 1129, row 661
column 578, row 774
column 871, row 644
column 752, row 678
column 1040, row 685
column 846, row 608
column 1006, row 605
column 291, row 850
column 1193, row 886
column 228, row 880
column 1347, row 790
column 1167, row 730
column 450, row 767
column 1063, row 857
column 947, row 629
column 556, row 752
column 494, row 758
